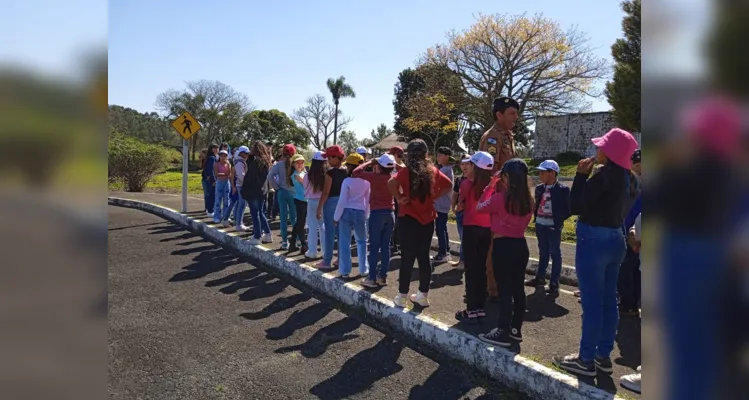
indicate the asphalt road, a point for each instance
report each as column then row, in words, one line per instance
column 189, row 320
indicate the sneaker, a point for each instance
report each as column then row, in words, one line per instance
column 604, row 364
column 420, row 299
column 459, row 265
column 632, row 382
column 254, row 241
column 382, row 281
column 304, row 249
column 497, row 337
column 293, row 248
column 209, row 214
column 552, row 289
column 573, row 364
column 242, row 228
column 467, row 317
column 322, row 266
column 400, row 300
column 309, row 254
column 366, row 282
column 347, row 276
column 215, row 221
column 440, row 258
column 267, row 238
column 535, row 282
column 284, row 246
column 364, row 274
column 516, row 334
column 226, row 223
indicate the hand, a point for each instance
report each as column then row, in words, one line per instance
column 585, row 165
column 403, row 200
column 319, row 214
column 459, row 207
column 633, row 243
column 234, row 190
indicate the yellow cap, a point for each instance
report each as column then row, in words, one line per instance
column 354, row 159
column 297, row 157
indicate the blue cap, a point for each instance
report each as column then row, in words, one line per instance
column 514, row 165
column 549, row 165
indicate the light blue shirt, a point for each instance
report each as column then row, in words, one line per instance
column 298, row 187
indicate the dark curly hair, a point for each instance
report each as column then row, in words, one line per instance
column 421, row 174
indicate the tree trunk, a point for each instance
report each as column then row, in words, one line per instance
column 335, row 125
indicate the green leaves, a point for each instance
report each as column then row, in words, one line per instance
column 623, row 91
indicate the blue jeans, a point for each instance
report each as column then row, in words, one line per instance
column 599, row 254
column 259, row 220
column 239, row 208
column 233, row 199
column 209, row 194
column 222, row 200
column 381, row 225
column 287, row 208
column 352, row 220
column 314, row 225
column 459, row 223
column 443, row 241
column 549, row 245
column 328, row 212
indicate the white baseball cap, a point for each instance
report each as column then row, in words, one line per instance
column 386, row 161
column 482, row 160
column 243, row 149
column 318, row 156
column 223, row 152
column 363, row 150
column 549, row 165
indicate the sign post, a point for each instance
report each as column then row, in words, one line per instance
column 186, row 125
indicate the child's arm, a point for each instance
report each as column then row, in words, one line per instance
column 491, row 201
column 325, row 193
column 342, row 200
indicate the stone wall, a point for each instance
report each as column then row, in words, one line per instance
column 559, row 134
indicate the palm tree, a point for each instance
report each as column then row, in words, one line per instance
column 339, row 88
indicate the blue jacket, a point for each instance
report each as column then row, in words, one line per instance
column 560, row 203
column 636, row 209
column 208, row 167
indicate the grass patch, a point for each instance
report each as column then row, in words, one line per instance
column 169, row 182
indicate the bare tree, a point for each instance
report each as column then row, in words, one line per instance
column 318, row 118
column 547, row 69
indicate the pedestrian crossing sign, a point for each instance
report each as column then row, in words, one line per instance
column 186, row 125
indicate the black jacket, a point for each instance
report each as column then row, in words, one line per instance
column 604, row 199
column 560, row 202
column 255, row 181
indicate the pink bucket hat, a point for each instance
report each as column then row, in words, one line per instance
column 618, row 145
column 715, row 123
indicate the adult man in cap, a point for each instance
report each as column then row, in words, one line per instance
column 499, row 142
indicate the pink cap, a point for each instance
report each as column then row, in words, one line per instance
column 715, row 123
column 618, row 145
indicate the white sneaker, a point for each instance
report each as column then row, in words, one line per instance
column 420, row 299
column 365, row 274
column 459, row 265
column 242, row 228
column 254, row 241
column 400, row 300
column 310, row 255
column 210, row 214
column 632, row 382
column 226, row 223
column 267, row 238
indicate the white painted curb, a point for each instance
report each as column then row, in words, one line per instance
column 511, row 369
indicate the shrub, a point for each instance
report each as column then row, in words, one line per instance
column 569, row 157
column 133, row 162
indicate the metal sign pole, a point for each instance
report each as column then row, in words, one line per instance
column 184, row 175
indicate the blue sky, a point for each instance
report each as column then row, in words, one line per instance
column 280, row 56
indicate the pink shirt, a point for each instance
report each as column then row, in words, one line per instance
column 502, row 222
column 309, row 192
column 471, row 217
column 354, row 195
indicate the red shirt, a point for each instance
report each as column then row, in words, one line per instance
column 471, row 217
column 422, row 211
column 379, row 195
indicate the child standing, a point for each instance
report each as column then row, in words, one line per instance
column 442, row 206
column 255, row 191
column 478, row 236
column 509, row 202
column 314, row 182
column 552, row 209
column 381, row 218
column 351, row 214
column 459, row 213
column 329, row 200
column 238, row 173
column 300, row 203
column 279, row 179
column 221, row 170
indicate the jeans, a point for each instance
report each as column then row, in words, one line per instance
column 381, row 224
column 239, row 208
column 628, row 284
column 459, row 223
column 479, row 238
column 259, row 220
column 352, row 220
column 416, row 241
column 222, row 200
column 443, row 241
column 549, row 245
column 315, row 226
column 328, row 212
column 599, row 253
column 301, row 218
column 287, row 209
column 209, row 194
column 509, row 259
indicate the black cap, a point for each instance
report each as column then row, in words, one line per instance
column 503, row 103
column 416, row 146
column 445, row 150
column 637, row 156
column 514, row 165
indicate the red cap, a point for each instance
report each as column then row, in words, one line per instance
column 334, row 151
column 396, row 150
column 289, row 149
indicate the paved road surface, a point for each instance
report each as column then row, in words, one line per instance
column 188, row 320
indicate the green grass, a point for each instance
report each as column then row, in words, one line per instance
column 169, row 182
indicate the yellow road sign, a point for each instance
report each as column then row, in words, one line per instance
column 186, row 125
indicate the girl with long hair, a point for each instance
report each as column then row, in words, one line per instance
column 509, row 202
column 602, row 202
column 351, row 214
column 255, row 191
column 296, row 175
column 476, row 234
column 314, row 183
column 222, row 171
column 415, row 187
column 329, row 201
column 280, row 180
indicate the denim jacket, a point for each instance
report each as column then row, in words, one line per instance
column 560, row 203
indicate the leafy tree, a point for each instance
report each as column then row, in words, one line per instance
column 431, row 120
column 147, row 127
column 276, row 128
column 726, row 47
column 380, row 133
column 408, row 85
column 319, row 119
column 339, row 89
column 623, row 92
column 348, row 141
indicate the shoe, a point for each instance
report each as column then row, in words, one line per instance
column 535, row 282
column 304, row 249
column 573, row 364
column 242, row 228
column 267, row 238
column 420, row 299
column 209, row 214
column 364, row 274
column 293, row 248
column 440, row 258
column 394, row 251
column 459, row 265
column 576, row 293
column 552, row 289
column 366, row 282
column 467, row 317
column 382, row 281
column 400, row 300
column 322, row 266
column 347, row 276
column 604, row 364
column 632, row 382
column 284, row 246
column 335, row 262
column 215, row 221
column 310, row 255
column 516, row 334
column 226, row 223
column 497, row 337
column 481, row 313
column 254, row 241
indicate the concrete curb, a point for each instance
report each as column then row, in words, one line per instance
column 514, row 370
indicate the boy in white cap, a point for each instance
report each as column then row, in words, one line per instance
column 363, row 151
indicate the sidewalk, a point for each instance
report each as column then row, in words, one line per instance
column 552, row 325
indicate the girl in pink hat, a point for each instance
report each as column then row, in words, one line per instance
column 602, row 202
